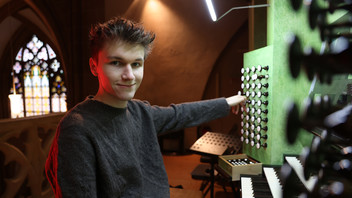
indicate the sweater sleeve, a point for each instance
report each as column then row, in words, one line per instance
column 71, row 164
column 176, row 117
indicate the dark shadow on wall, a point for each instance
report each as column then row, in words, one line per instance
column 225, row 78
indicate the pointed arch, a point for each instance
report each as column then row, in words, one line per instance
column 37, row 76
column 27, row 19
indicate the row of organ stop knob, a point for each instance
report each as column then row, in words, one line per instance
column 254, row 124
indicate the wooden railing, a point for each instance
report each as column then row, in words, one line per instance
column 24, row 147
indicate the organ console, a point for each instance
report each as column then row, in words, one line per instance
column 317, row 125
column 278, row 181
column 254, row 186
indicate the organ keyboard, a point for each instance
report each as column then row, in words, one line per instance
column 254, row 186
column 275, row 186
column 270, row 184
column 298, row 168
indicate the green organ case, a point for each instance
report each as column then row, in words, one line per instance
column 282, row 21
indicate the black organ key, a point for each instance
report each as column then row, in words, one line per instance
column 277, row 171
column 255, row 186
column 261, row 187
column 274, row 181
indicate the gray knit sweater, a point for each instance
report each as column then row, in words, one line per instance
column 102, row 151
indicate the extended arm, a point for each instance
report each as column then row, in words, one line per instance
column 189, row 114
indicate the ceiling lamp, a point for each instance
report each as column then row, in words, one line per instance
column 213, row 14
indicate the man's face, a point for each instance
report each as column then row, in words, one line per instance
column 120, row 71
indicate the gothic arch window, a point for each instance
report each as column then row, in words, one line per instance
column 38, row 81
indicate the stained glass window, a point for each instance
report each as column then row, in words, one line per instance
column 38, row 80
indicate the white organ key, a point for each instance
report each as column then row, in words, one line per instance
column 246, row 187
column 273, row 181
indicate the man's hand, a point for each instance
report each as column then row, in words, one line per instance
column 235, row 101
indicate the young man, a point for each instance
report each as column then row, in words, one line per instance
column 107, row 146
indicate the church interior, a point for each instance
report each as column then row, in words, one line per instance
column 291, row 59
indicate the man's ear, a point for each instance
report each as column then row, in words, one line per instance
column 93, row 66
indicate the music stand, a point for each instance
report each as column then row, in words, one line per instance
column 214, row 144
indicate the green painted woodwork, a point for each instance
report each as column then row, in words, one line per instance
column 282, row 21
